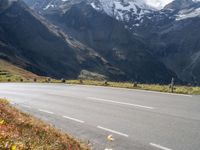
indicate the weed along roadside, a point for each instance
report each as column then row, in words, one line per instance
column 11, row 73
column 19, row 131
column 171, row 88
column 151, row 87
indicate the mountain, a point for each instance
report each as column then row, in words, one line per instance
column 123, row 10
column 172, row 35
column 133, row 39
column 110, row 39
column 72, row 41
column 30, row 42
column 180, row 4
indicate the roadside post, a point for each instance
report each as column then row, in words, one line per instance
column 172, row 85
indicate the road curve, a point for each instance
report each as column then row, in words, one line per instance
column 137, row 120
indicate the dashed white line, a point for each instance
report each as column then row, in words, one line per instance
column 45, row 111
column 159, row 146
column 122, row 103
column 112, row 131
column 74, row 119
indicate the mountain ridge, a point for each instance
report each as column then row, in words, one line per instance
column 48, row 48
column 150, row 47
column 32, row 45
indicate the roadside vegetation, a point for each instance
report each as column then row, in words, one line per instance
column 11, row 73
column 150, row 87
column 19, row 131
column 191, row 90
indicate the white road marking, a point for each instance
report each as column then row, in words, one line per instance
column 26, row 106
column 138, row 90
column 112, row 131
column 12, row 103
column 70, row 118
column 117, row 102
column 165, row 93
column 46, row 111
column 159, row 146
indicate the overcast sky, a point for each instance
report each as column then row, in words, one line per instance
column 158, row 3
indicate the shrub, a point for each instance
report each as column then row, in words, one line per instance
column 135, row 84
column 81, row 81
column 106, row 83
column 63, row 80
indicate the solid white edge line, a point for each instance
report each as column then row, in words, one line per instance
column 12, row 103
column 117, row 102
column 112, row 131
column 45, row 111
column 70, row 118
column 138, row 90
column 165, row 93
column 26, row 106
column 159, row 146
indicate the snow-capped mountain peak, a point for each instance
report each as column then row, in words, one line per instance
column 123, row 10
column 189, row 12
column 158, row 4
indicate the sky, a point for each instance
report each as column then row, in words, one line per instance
column 158, row 3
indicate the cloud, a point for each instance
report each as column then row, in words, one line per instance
column 159, row 4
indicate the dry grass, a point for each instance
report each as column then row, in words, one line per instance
column 12, row 69
column 19, row 131
column 151, row 87
column 12, row 73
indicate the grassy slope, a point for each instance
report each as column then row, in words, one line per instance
column 13, row 73
column 19, row 131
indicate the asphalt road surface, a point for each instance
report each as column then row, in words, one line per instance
column 138, row 120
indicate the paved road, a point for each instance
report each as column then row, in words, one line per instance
column 138, row 120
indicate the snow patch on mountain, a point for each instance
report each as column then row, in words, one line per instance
column 123, row 10
column 159, row 4
column 188, row 13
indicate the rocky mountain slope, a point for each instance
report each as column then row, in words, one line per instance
column 110, row 39
column 171, row 34
column 123, row 10
column 29, row 41
column 121, row 39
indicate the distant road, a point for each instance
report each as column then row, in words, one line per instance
column 138, row 120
